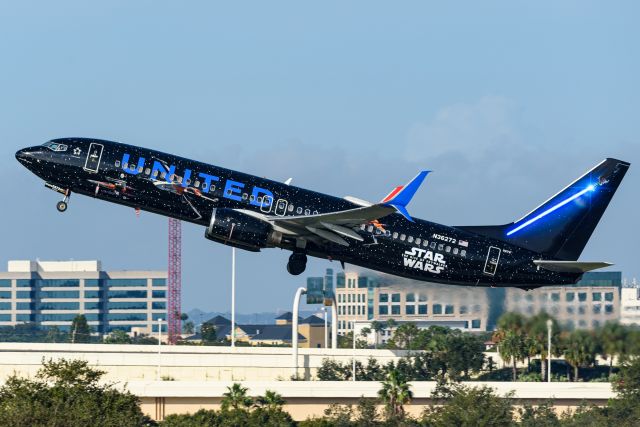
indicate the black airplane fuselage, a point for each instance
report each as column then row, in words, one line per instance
column 191, row 191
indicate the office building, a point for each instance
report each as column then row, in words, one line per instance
column 588, row 304
column 52, row 293
column 630, row 304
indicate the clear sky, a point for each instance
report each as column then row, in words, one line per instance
column 507, row 102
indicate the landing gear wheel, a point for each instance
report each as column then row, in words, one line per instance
column 297, row 263
column 61, row 206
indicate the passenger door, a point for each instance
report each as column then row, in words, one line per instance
column 94, row 155
column 493, row 258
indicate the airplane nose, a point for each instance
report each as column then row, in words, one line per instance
column 24, row 156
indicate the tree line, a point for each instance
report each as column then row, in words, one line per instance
column 70, row 393
column 520, row 338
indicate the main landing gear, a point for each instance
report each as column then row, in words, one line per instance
column 297, row 263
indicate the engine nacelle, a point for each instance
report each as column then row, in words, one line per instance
column 233, row 228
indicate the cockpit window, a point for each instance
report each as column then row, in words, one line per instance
column 54, row 146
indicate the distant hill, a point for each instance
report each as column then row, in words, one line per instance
column 198, row 316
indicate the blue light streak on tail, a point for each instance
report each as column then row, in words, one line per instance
column 591, row 187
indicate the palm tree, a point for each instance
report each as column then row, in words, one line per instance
column 395, row 393
column 236, row 398
column 364, row 332
column 512, row 347
column 405, row 334
column 510, row 321
column 377, row 327
column 271, row 401
column 579, row 350
column 612, row 338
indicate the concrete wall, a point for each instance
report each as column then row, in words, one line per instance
column 184, row 363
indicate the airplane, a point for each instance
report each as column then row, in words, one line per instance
column 253, row 213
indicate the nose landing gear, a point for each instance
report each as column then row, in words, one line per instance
column 297, row 263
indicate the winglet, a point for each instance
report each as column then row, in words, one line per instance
column 400, row 197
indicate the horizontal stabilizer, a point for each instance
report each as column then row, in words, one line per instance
column 570, row 266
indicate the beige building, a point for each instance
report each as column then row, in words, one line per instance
column 589, row 304
column 362, row 298
column 630, row 304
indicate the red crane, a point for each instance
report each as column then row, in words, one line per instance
column 174, row 283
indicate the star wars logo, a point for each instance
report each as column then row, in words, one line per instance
column 425, row 260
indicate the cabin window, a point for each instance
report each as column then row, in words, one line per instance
column 447, row 249
column 147, row 171
column 455, row 251
column 228, row 192
column 163, row 175
column 299, row 210
column 290, row 208
column 403, row 237
column 463, row 253
column 395, row 234
column 370, row 229
column 418, row 240
column 259, row 200
column 125, row 165
column 440, row 246
column 378, row 232
column 212, row 188
column 252, row 198
column 307, row 212
column 140, row 169
column 425, row 243
column 117, row 163
column 432, row 245
column 179, row 179
column 245, row 196
column 363, row 227
column 204, row 186
column 155, row 173
column 315, row 212
column 196, row 184
column 188, row 182
column 387, row 233
column 410, row 239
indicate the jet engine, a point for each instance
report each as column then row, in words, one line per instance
column 233, row 228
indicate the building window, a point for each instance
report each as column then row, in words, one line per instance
column 58, row 283
column 555, row 297
column 384, row 310
column 437, row 309
column 608, row 296
column 159, row 305
column 128, row 305
column 422, row 297
column 92, row 306
column 60, row 294
column 582, row 296
column 59, row 306
column 608, row 309
column 582, row 309
column 570, row 296
column 92, row 294
column 597, row 309
column 596, row 296
column 158, row 282
column 448, row 309
column 159, row 294
column 384, row 298
column 410, row 309
column 23, row 283
column 127, row 282
column 395, row 310
column 570, row 310
column 464, row 309
column 475, row 324
column 395, row 297
column 411, row 297
column 127, row 294
column 422, row 309
column 127, row 316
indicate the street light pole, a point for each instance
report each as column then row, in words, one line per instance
column 294, row 329
column 159, row 349
column 233, row 297
column 326, row 331
column 353, row 362
column 549, row 326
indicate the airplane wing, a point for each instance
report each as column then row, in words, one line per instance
column 337, row 227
